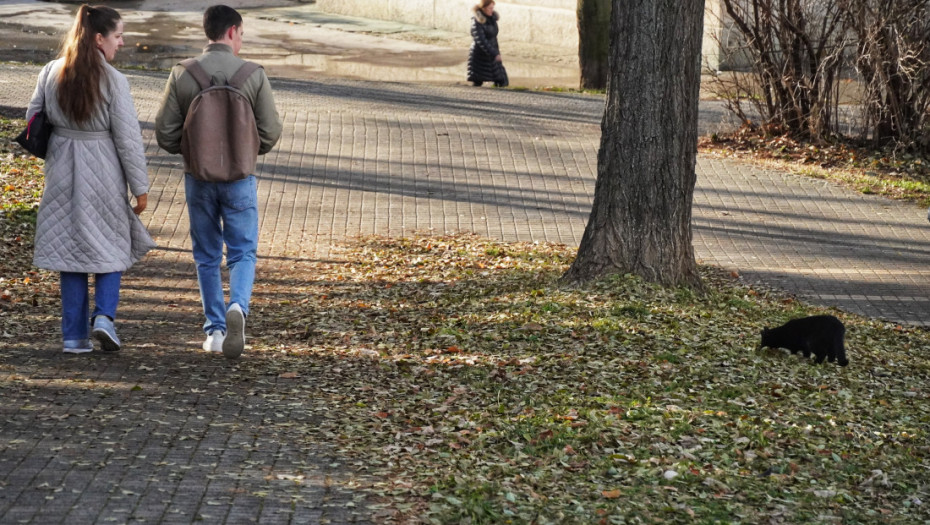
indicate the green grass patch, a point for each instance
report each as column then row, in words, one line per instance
column 867, row 169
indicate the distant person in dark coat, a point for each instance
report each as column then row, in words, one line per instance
column 484, row 57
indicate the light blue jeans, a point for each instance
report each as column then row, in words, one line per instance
column 75, row 302
column 223, row 213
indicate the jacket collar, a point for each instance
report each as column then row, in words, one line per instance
column 481, row 17
column 218, row 48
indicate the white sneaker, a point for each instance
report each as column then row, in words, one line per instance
column 234, row 342
column 214, row 342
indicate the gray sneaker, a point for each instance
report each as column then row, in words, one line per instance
column 235, row 332
column 105, row 332
column 78, row 346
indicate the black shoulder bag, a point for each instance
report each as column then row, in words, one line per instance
column 35, row 137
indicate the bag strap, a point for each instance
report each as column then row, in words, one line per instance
column 198, row 72
column 243, row 74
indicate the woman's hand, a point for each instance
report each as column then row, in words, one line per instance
column 141, row 201
column 498, row 58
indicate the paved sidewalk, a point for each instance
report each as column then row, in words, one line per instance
column 290, row 38
column 197, row 441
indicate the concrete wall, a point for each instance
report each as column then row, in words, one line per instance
column 714, row 28
column 545, row 22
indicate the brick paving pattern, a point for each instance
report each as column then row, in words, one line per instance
column 190, row 442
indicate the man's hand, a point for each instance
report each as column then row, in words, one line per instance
column 141, row 201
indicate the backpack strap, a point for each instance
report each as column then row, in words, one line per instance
column 198, row 72
column 245, row 71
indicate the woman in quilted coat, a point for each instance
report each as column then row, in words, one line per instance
column 484, row 57
column 86, row 223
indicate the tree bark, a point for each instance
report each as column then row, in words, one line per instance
column 593, row 42
column 640, row 222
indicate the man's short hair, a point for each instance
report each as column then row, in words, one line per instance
column 217, row 19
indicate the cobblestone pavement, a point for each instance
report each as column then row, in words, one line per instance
column 192, row 441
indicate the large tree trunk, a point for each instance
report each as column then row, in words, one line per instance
column 593, row 42
column 640, row 222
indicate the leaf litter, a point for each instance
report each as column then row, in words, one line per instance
column 467, row 386
column 457, row 371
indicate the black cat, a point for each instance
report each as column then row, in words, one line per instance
column 821, row 335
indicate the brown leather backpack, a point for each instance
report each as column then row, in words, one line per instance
column 219, row 141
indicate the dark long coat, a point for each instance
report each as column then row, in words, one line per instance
column 481, row 64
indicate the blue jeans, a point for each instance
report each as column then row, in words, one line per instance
column 223, row 213
column 75, row 302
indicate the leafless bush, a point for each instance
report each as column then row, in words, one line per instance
column 796, row 50
column 893, row 61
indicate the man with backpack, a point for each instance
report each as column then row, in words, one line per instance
column 218, row 112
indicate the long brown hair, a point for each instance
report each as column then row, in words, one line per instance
column 79, row 82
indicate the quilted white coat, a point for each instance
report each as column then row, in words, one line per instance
column 85, row 221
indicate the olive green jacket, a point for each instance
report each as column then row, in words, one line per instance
column 220, row 63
